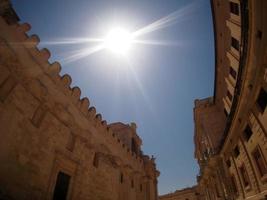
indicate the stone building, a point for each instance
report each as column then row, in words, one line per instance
column 231, row 127
column 53, row 145
column 189, row 193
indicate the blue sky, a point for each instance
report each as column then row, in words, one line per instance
column 155, row 86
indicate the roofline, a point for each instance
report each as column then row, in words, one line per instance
column 215, row 49
column 241, row 67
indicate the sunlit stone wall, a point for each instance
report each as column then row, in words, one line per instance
column 53, row 144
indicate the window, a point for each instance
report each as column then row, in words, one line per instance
column 121, row 178
column 62, row 185
column 247, row 133
column 234, row 8
column 229, row 95
column 232, row 72
column 141, row 187
column 234, row 185
column 236, row 151
column 260, row 161
column 132, row 183
column 235, row 43
column 228, row 163
column 96, row 160
column 244, row 176
column 262, row 100
column 259, row 34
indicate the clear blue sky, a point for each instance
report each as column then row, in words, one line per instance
column 155, row 87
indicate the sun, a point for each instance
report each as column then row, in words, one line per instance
column 118, row 40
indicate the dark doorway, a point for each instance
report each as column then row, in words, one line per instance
column 62, row 185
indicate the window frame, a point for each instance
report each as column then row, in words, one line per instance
column 96, row 160
column 228, row 163
column 234, row 8
column 225, row 112
column 235, row 43
column 232, row 72
column 62, row 185
column 260, row 104
column 262, row 174
column 132, row 183
column 243, row 176
column 229, row 95
column 236, row 151
column 245, row 131
column 121, row 178
column 234, row 184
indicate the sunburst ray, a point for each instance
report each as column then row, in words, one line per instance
column 81, row 53
column 173, row 18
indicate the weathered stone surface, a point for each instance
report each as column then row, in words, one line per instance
column 231, row 127
column 47, row 130
column 183, row 194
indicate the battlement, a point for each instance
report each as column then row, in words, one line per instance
column 51, row 133
column 36, row 65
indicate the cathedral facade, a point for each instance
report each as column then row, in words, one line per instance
column 53, row 144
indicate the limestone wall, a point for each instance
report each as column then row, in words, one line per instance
column 46, row 128
column 209, row 126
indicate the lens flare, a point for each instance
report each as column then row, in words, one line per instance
column 118, row 41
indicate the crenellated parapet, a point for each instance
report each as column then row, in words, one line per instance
column 51, row 134
column 35, row 68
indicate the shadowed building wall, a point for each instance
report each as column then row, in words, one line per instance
column 53, row 145
column 183, row 194
column 230, row 127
